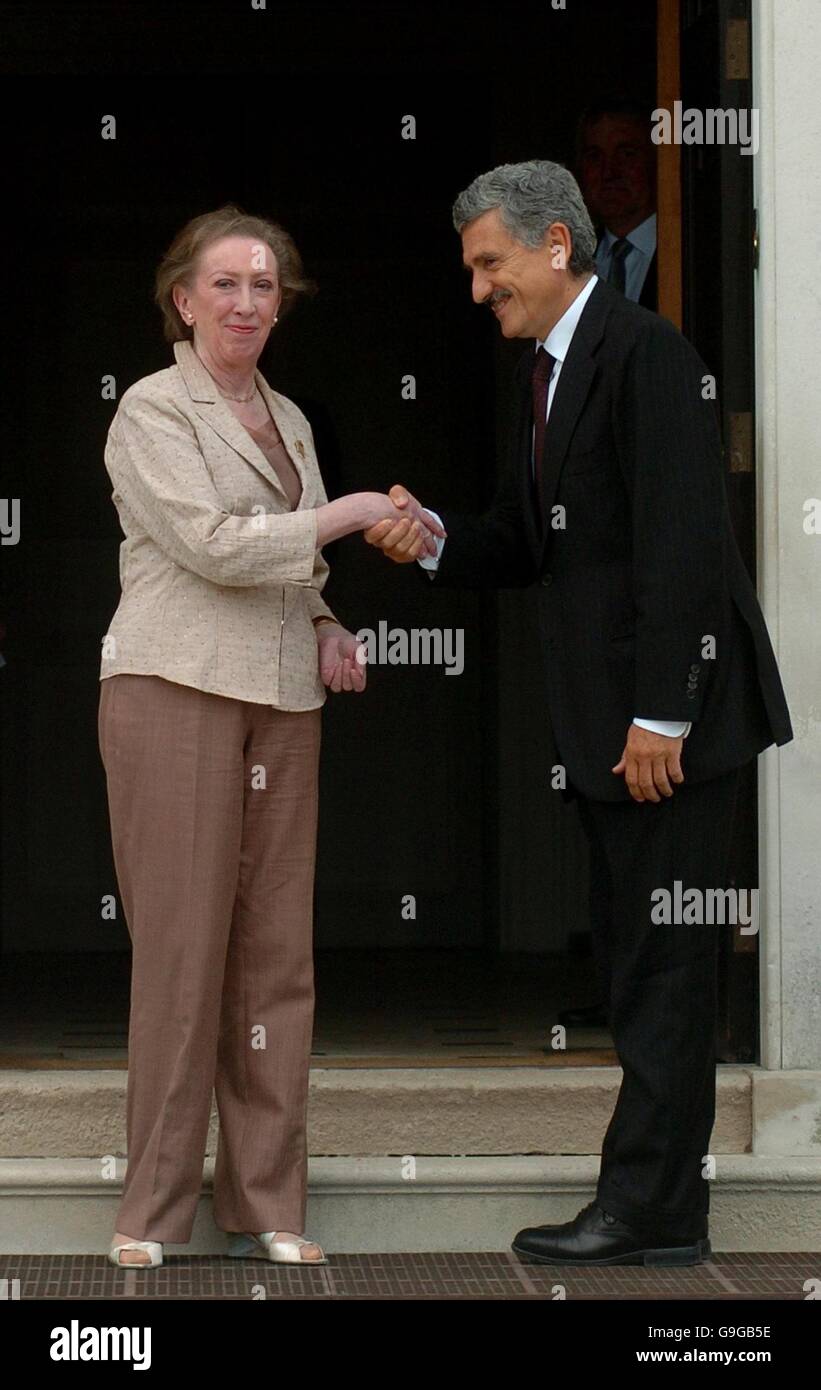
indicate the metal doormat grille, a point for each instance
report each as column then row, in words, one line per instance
column 491, row 1275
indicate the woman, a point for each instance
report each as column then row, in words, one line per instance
column 213, row 675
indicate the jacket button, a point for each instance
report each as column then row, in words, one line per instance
column 547, row 580
column 695, row 670
column 691, row 694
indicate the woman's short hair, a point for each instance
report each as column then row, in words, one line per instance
column 530, row 198
column 180, row 262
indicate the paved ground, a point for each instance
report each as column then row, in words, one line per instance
column 493, row 1275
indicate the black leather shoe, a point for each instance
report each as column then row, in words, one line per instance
column 597, row 1238
column 592, row 1016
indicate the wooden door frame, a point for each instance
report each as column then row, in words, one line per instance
column 668, row 166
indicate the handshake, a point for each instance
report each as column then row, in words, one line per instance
column 394, row 522
column 408, row 532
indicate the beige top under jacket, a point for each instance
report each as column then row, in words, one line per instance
column 220, row 579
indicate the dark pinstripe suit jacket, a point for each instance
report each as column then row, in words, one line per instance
column 646, row 606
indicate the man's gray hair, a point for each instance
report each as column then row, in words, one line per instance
column 530, row 197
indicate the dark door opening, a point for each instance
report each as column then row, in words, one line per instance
column 434, row 789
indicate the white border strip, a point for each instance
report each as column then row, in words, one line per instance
column 766, row 418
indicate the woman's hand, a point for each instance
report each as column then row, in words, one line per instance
column 407, row 519
column 341, row 657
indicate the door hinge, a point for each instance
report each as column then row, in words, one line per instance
column 737, row 50
column 741, row 442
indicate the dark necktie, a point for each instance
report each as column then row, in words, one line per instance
column 543, row 365
column 619, row 252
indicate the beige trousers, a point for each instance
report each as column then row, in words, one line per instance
column 213, row 810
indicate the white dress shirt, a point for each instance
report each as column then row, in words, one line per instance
column 557, row 343
column 637, row 261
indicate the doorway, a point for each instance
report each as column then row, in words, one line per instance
column 439, row 790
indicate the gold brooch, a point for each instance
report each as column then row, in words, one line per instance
column 300, row 448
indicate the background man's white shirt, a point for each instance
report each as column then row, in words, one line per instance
column 637, row 261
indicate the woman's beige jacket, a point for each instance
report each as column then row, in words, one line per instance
column 220, row 580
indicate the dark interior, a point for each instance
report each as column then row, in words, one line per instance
column 433, row 786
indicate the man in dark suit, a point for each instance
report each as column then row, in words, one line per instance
column 616, row 165
column 661, row 679
column 616, row 169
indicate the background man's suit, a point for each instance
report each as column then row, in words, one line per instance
column 644, row 571
column 649, row 290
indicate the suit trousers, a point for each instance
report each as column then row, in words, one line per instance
column 213, row 811
column 660, row 987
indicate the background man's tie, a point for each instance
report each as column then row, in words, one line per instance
column 543, row 365
column 619, row 252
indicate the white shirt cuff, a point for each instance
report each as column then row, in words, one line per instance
column 670, row 728
column 431, row 562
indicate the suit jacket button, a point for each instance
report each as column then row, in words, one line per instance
column 547, row 579
column 695, row 670
column 691, row 694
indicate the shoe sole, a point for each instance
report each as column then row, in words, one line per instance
column 676, row 1256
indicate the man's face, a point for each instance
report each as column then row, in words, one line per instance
column 617, row 172
column 522, row 285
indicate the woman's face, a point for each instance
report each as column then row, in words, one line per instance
column 233, row 300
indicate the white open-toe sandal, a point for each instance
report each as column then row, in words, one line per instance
column 153, row 1247
column 265, row 1246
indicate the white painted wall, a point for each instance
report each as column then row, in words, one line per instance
column 786, row 57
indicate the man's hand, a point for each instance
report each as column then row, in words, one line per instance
column 650, row 762
column 341, row 657
column 403, row 541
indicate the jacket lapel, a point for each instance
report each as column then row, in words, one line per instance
column 569, row 397
column 296, row 447
column 211, row 407
column 524, row 447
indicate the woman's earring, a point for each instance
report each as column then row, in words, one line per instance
column 276, row 318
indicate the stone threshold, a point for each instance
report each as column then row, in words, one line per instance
column 373, row 1111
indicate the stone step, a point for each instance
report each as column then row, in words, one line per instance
column 368, row 1205
column 373, row 1112
column 419, row 1158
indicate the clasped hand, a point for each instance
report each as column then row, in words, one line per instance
column 408, row 537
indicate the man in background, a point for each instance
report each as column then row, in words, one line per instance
column 616, row 167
